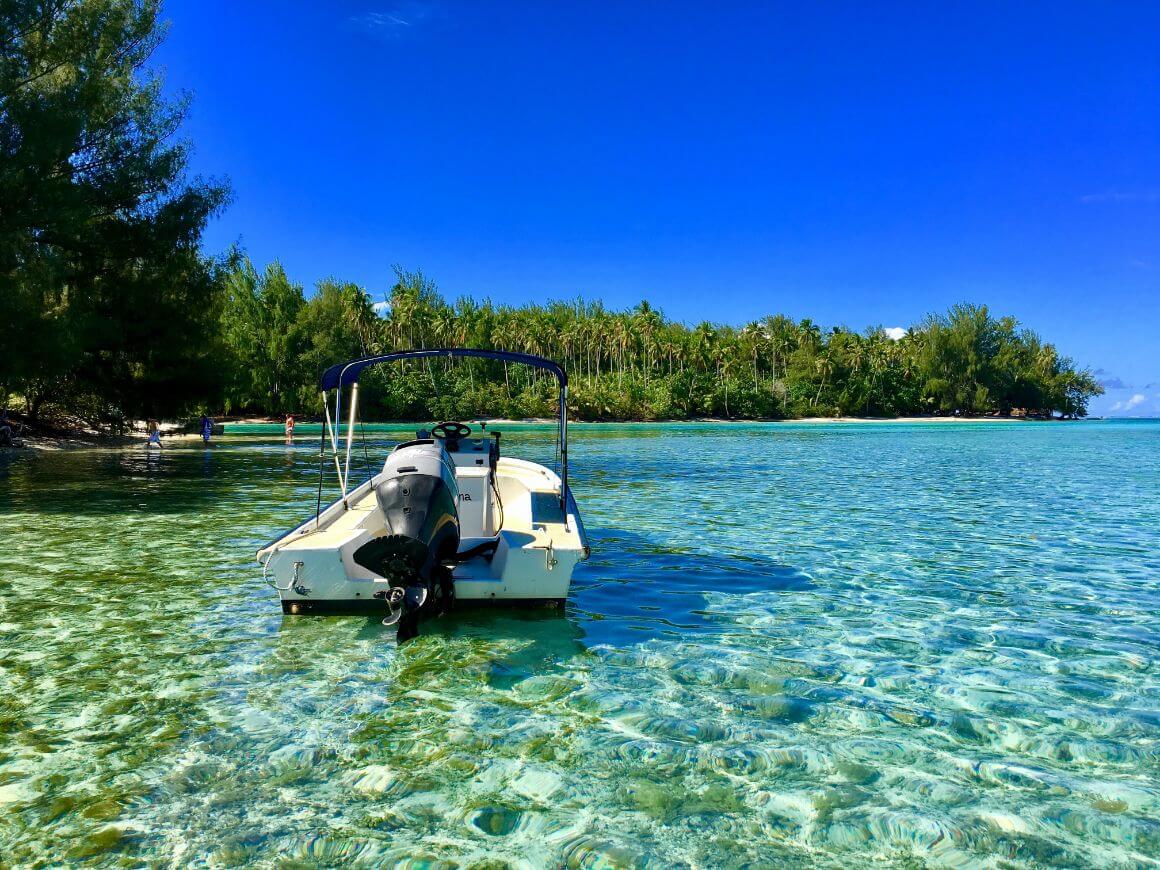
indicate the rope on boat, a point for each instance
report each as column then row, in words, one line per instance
column 273, row 584
column 366, row 456
column 499, row 501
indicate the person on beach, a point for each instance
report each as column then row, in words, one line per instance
column 154, row 435
column 289, row 428
column 206, row 428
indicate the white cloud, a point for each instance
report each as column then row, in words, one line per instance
column 1133, row 401
column 382, row 309
column 895, row 332
column 395, row 20
column 1129, row 404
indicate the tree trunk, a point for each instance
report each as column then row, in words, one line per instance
column 34, row 404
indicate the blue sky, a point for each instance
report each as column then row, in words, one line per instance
column 857, row 163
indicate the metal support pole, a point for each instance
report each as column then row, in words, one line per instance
column 321, row 468
column 564, row 451
column 349, row 438
column 333, row 445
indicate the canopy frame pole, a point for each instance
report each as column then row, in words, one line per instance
column 321, row 470
column 333, row 444
column 564, row 452
column 349, row 439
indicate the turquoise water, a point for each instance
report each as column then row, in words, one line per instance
column 794, row 644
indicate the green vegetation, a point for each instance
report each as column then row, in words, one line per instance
column 109, row 310
column 107, row 306
column 628, row 364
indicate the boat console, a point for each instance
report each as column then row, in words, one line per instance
column 464, row 450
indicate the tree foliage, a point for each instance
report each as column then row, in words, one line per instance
column 106, row 304
column 636, row 364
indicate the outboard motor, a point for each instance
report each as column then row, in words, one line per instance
column 418, row 498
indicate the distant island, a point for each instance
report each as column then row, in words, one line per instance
column 627, row 365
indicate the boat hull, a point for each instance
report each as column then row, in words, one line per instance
column 301, row 607
column 528, row 561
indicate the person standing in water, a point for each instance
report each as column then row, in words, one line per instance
column 154, row 435
column 289, row 428
column 206, row 428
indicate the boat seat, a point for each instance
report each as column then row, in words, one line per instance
column 546, row 508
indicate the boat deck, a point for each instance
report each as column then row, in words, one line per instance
column 532, row 517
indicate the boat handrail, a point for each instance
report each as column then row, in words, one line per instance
column 346, row 373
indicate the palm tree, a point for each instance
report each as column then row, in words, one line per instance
column 825, row 368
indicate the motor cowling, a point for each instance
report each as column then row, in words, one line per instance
column 418, row 497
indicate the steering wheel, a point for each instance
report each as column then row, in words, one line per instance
column 450, row 429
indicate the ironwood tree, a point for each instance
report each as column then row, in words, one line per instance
column 108, row 308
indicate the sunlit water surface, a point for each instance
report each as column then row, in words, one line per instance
column 793, row 644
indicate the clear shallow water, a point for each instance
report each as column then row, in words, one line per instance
column 794, row 644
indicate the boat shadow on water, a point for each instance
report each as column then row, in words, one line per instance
column 634, row 590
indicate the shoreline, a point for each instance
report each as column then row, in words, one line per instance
column 94, row 441
column 737, row 421
column 90, row 441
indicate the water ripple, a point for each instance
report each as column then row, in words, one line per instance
column 793, row 645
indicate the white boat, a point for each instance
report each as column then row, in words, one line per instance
column 448, row 520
